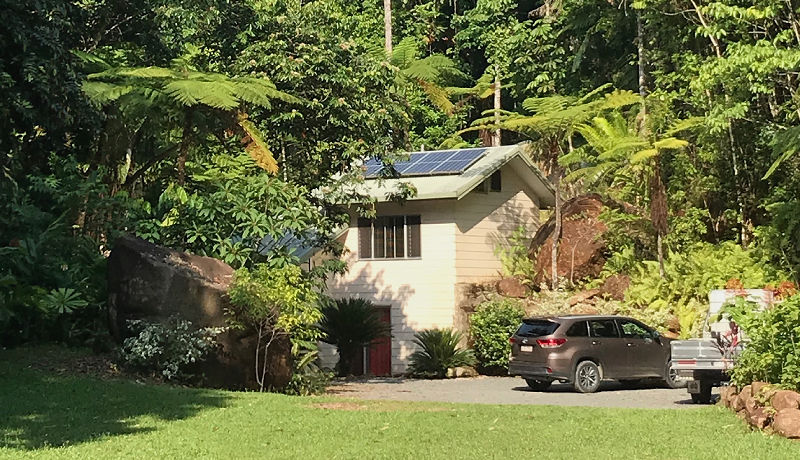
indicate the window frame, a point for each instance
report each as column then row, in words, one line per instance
column 411, row 228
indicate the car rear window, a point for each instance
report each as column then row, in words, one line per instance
column 537, row 328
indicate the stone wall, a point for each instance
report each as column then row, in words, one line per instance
column 765, row 407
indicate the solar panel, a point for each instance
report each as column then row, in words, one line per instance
column 437, row 162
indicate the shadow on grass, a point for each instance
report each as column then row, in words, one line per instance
column 38, row 410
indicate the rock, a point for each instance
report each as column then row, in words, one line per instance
column 787, row 423
column 673, row 324
column 150, row 282
column 614, row 286
column 757, row 387
column 759, row 418
column 750, row 405
column 740, row 402
column 581, row 248
column 726, row 395
column 512, row 287
column 582, row 296
column 785, row 399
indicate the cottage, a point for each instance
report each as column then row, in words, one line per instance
column 415, row 258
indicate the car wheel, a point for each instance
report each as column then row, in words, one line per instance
column 587, row 377
column 671, row 377
column 538, row 385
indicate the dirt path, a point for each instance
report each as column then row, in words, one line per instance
column 510, row 390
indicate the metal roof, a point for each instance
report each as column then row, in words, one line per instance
column 456, row 186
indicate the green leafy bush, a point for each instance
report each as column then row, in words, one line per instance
column 439, row 351
column 490, row 327
column 308, row 378
column 690, row 276
column 772, row 352
column 274, row 302
column 167, row 349
column 351, row 324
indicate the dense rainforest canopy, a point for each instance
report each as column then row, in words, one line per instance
column 220, row 126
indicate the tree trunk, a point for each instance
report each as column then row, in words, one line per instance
column 556, row 233
column 387, row 26
column 183, row 152
column 496, row 136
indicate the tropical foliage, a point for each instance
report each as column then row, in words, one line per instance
column 350, row 325
column 439, row 350
column 490, row 327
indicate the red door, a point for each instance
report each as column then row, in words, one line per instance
column 380, row 352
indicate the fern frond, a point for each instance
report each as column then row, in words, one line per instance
column 438, row 96
column 670, row 143
column 218, row 95
column 643, row 156
column 683, row 125
column 101, row 92
column 257, row 147
column 404, row 53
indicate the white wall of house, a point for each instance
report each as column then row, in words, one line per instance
column 486, row 220
column 458, row 240
column 419, row 291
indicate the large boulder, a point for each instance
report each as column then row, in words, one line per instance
column 785, row 399
column 581, row 250
column 153, row 283
column 787, row 423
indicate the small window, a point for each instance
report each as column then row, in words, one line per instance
column 537, row 328
column 579, row 329
column 495, row 182
column 389, row 237
column 603, row 328
column 634, row 330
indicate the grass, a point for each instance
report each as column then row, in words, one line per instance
column 43, row 415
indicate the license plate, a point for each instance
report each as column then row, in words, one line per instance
column 526, row 348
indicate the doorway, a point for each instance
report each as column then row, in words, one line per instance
column 379, row 353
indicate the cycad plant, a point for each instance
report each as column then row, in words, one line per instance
column 439, row 351
column 350, row 325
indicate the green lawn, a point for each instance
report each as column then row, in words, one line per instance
column 50, row 416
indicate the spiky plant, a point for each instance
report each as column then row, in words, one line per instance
column 439, row 351
column 350, row 325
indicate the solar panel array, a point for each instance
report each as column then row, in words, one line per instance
column 433, row 163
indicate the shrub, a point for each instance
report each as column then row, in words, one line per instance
column 274, row 302
column 772, row 353
column 439, row 352
column 167, row 349
column 514, row 257
column 351, row 324
column 308, row 378
column 490, row 327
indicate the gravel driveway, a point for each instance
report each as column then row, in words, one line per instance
column 511, row 390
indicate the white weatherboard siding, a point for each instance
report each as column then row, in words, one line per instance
column 420, row 292
column 486, row 220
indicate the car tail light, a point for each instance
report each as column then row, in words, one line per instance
column 689, row 362
column 551, row 343
column 512, row 340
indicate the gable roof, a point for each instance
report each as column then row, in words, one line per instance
column 456, row 186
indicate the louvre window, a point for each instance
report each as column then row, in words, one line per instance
column 389, row 237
